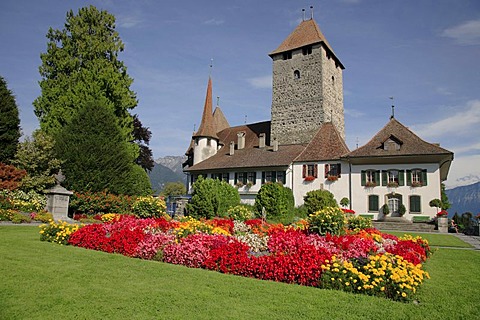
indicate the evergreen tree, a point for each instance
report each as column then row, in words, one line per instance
column 96, row 155
column 81, row 64
column 445, row 203
column 9, row 123
column 275, row 199
column 36, row 155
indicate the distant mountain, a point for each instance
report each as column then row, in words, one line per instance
column 167, row 169
column 464, row 199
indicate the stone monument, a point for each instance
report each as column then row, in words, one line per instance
column 58, row 198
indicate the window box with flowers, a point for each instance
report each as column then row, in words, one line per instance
column 370, row 184
column 416, row 184
column 392, row 184
column 309, row 178
column 239, row 184
column 332, row 178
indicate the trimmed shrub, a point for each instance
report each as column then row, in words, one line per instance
column 212, row 198
column 149, row 207
column 359, row 223
column 240, row 212
column 318, row 200
column 276, row 199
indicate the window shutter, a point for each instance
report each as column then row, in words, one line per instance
column 384, row 178
column 339, row 169
column 409, row 177
column 263, row 177
column 377, row 177
column 274, row 176
column 372, row 202
column 304, row 174
column 424, row 177
column 236, row 177
column 315, row 170
column 364, row 178
column 327, row 170
column 401, row 177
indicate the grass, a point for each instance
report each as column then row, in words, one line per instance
column 43, row 280
column 436, row 239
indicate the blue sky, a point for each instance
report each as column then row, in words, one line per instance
column 425, row 54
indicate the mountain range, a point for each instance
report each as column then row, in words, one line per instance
column 464, row 199
column 169, row 169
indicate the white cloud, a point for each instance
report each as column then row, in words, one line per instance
column 443, row 91
column 353, row 113
column 463, row 171
column 128, row 21
column 465, row 120
column 214, row 22
column 261, row 82
column 467, row 33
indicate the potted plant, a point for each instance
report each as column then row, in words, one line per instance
column 309, row 178
column 332, row 178
column 370, row 184
column 249, row 184
column 401, row 210
column 239, row 184
column 385, row 209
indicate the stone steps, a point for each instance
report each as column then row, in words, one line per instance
column 404, row 226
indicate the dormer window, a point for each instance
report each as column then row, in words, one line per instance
column 296, row 74
column 392, row 144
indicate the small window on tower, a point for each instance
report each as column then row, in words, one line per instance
column 296, row 74
column 287, row 55
column 307, row 50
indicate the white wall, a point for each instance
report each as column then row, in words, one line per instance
column 431, row 191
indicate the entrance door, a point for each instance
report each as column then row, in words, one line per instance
column 393, row 204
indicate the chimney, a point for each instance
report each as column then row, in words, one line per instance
column 241, row 140
column 232, row 148
column 261, row 140
column 275, row 145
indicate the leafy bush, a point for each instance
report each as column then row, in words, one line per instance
column 240, row 212
column 42, row 216
column 10, row 176
column 276, row 199
column 359, row 223
column 149, row 207
column 318, row 200
column 329, row 220
column 13, row 216
column 92, row 203
column 212, row 198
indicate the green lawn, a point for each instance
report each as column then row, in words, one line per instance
column 437, row 239
column 42, row 280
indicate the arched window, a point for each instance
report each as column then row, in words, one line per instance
column 296, row 74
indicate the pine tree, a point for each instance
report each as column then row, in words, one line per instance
column 81, row 64
column 9, row 123
column 96, row 156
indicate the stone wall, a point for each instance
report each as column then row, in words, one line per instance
column 305, row 95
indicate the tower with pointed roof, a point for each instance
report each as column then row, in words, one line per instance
column 307, row 86
column 205, row 140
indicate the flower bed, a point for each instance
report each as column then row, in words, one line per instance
column 360, row 261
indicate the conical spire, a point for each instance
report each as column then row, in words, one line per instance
column 207, row 126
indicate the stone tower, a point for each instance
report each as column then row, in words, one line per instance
column 307, row 86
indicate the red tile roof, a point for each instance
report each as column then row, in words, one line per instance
column 327, row 144
column 410, row 143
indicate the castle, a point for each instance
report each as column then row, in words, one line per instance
column 303, row 146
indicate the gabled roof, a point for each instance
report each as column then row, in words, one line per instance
column 409, row 144
column 251, row 156
column 327, row 144
column 306, row 33
column 219, row 120
column 207, row 126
